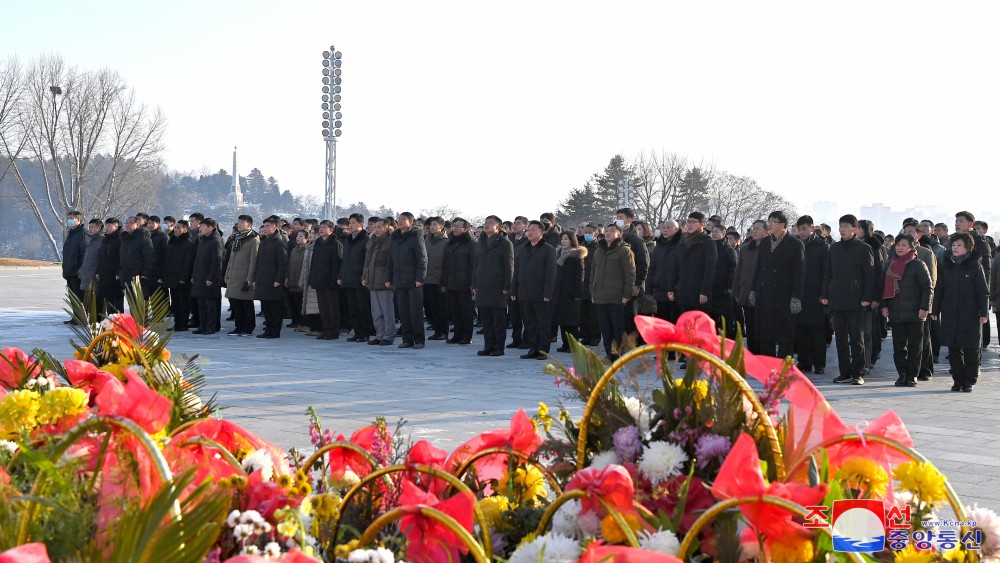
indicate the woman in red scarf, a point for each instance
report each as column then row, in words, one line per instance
column 906, row 300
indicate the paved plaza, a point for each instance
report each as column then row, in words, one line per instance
column 447, row 394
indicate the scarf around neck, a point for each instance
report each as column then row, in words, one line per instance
column 895, row 273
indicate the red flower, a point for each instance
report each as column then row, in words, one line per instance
column 125, row 324
column 134, row 400
column 599, row 553
column 520, row 437
column 27, row 553
column 740, row 476
column 14, row 367
column 427, row 540
column 665, row 497
column 293, row 556
column 613, row 484
column 341, row 459
column 267, row 496
column 423, row 453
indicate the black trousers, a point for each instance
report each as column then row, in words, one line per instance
column 328, row 299
column 273, row 316
column 73, row 284
column 411, row 313
column 667, row 310
column 908, row 348
column 750, row 329
column 295, row 304
column 611, row 318
column 590, row 329
column 722, row 312
column 196, row 312
column 986, row 335
column 566, row 330
column 113, row 300
column 343, row 319
column 964, row 365
column 436, row 305
column 516, row 322
column 460, row 310
column 494, row 328
column 359, row 311
column 208, row 311
column 180, row 296
column 243, row 315
column 811, row 344
column 847, row 330
column 538, row 324
column 926, row 354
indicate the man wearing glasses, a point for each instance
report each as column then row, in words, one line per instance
column 777, row 293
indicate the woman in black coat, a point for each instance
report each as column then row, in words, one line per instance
column 569, row 286
column 905, row 292
column 206, row 278
column 960, row 301
column 178, row 264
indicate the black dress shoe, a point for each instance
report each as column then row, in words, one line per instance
column 480, row 331
column 819, row 371
column 405, row 345
column 179, row 329
column 262, row 335
column 465, row 342
column 967, row 389
column 385, row 342
column 273, row 336
column 437, row 337
column 910, row 383
column 483, row 353
column 956, row 388
column 901, row 382
column 530, row 355
column 418, row 345
column 923, row 378
column 374, row 342
column 291, row 325
column 229, row 318
column 496, row 353
column 198, row 332
column 513, row 345
column 524, row 346
column 562, row 349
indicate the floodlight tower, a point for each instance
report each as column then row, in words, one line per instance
column 331, row 126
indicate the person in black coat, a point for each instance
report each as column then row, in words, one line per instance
column 352, row 267
column 590, row 329
column 73, row 250
column 661, row 264
column 407, row 268
column 873, row 324
column 110, row 295
column 692, row 274
column 159, row 239
column 569, row 287
column 905, row 295
column 494, row 273
column 457, row 271
column 722, row 286
column 206, row 277
column 519, row 241
column 178, row 263
column 848, row 289
column 323, row 272
column 137, row 259
column 534, row 288
column 269, row 278
column 811, row 324
column 965, row 222
column 624, row 218
column 777, row 294
column 961, row 301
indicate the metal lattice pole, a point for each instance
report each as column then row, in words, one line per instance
column 331, row 125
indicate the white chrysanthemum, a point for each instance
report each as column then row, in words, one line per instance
column 662, row 541
column 989, row 523
column 242, row 531
column 259, row 460
column 550, row 548
column 250, row 550
column 233, row 519
column 191, row 403
column 251, row 517
column 639, row 412
column 384, row 556
column 9, row 447
column 604, row 459
column 272, row 549
column 590, row 523
column 661, row 461
column 357, row 556
column 31, row 383
column 564, row 521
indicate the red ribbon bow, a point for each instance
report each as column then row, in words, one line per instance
column 427, row 540
column 520, row 437
column 613, row 484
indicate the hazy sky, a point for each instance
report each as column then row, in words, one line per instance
column 504, row 107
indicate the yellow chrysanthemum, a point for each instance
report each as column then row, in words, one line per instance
column 287, row 528
column 911, row 555
column 543, row 418
column 493, row 507
column 863, row 474
column 61, row 402
column 300, row 477
column 699, row 387
column 303, row 489
column 344, row 549
column 19, row 411
column 612, row 532
column 528, row 485
column 957, row 555
column 923, row 480
column 165, row 355
column 285, row 481
column 117, row 369
column 793, row 551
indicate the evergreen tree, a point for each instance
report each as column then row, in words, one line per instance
column 692, row 193
column 255, row 190
column 582, row 204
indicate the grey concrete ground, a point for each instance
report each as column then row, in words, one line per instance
column 448, row 394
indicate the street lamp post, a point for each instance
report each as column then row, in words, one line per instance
column 331, row 125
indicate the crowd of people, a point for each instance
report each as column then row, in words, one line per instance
column 790, row 290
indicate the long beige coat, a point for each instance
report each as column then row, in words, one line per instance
column 310, row 306
column 241, row 268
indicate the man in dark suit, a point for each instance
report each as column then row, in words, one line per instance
column 777, row 294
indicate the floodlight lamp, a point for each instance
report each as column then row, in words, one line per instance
column 338, row 115
column 326, row 97
column 326, row 80
column 332, row 48
column 326, row 62
column 336, row 54
column 336, row 89
column 326, row 72
column 337, row 63
column 326, row 132
column 326, row 106
column 326, row 115
column 337, row 124
column 336, row 132
column 326, row 54
column 336, row 107
column 337, row 72
column 336, row 97
column 326, row 125
column 326, row 89
column 338, row 80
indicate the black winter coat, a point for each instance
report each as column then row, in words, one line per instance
column 74, row 247
column 325, row 265
column 459, row 265
column 693, row 271
column 640, row 253
column 725, row 270
column 137, row 257
column 160, row 241
column 569, row 287
column 352, row 267
column 588, row 263
column 552, row 236
column 272, row 267
column 660, row 265
column 407, row 258
column 494, row 270
column 814, row 276
column 980, row 250
column 779, row 279
column 914, row 292
column 178, row 261
column 535, row 273
column 107, row 264
column 208, row 267
column 960, row 298
column 850, row 275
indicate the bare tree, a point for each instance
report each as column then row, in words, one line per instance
column 97, row 147
column 11, row 88
column 740, row 200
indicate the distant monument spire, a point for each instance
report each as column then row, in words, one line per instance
column 236, row 194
